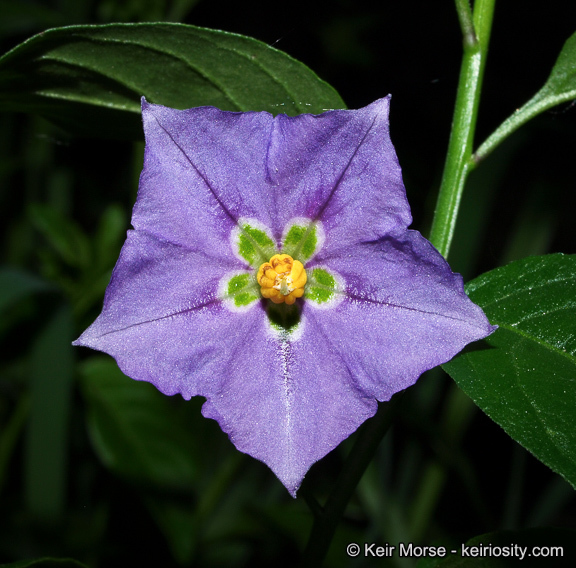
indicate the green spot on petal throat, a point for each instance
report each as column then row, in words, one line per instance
column 321, row 287
column 323, row 277
column 237, row 283
column 244, row 299
column 301, row 241
column 242, row 290
column 254, row 244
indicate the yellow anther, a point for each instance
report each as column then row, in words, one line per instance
column 282, row 279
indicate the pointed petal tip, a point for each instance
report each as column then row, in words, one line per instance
column 491, row 330
column 293, row 492
column 81, row 340
column 292, row 486
column 381, row 105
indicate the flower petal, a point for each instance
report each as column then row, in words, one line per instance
column 404, row 312
column 296, row 411
column 153, row 305
column 340, row 168
column 203, row 170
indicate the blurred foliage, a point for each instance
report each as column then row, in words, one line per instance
column 89, row 466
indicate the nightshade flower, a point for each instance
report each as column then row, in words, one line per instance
column 271, row 271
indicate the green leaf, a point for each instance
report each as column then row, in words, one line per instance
column 524, row 375
column 541, row 547
column 90, row 79
column 138, row 432
column 559, row 88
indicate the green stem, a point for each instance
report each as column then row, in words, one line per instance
column 466, row 22
column 356, row 463
column 459, row 160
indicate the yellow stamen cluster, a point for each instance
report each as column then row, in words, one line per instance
column 282, row 279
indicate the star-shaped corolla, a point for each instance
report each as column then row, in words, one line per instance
column 271, row 271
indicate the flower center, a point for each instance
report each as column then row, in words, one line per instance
column 282, row 279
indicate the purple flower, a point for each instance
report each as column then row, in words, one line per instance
column 290, row 361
